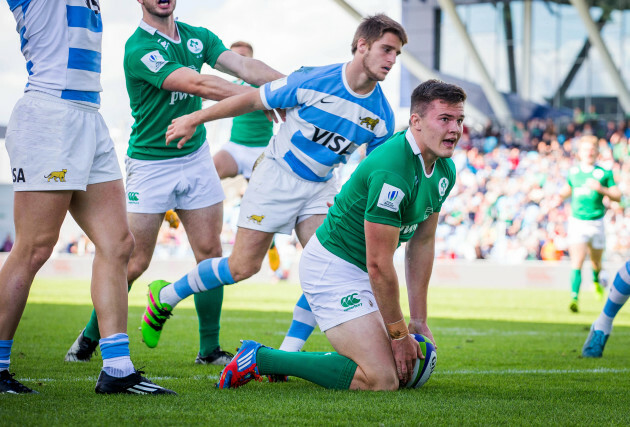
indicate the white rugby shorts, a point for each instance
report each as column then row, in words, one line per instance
column 188, row 182
column 244, row 156
column 276, row 200
column 336, row 290
column 587, row 231
column 55, row 144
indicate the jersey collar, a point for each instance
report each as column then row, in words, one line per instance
column 151, row 30
column 347, row 85
column 416, row 150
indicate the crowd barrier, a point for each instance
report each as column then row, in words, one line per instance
column 451, row 273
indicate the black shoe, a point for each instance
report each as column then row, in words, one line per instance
column 217, row 357
column 82, row 349
column 9, row 385
column 131, row 384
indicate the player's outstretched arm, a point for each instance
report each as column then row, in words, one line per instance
column 203, row 85
column 251, row 70
column 184, row 127
column 381, row 241
column 419, row 255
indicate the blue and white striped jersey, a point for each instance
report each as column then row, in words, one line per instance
column 326, row 121
column 61, row 42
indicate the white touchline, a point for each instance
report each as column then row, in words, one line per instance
column 533, row 371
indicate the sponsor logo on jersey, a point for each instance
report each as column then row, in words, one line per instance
column 331, row 140
column 330, row 100
column 57, row 176
column 390, row 198
column 256, row 218
column 195, row 45
column 18, row 175
column 164, row 44
column 154, row 61
column 133, row 197
column 442, row 186
column 369, row 122
column 179, row 96
column 350, row 302
column 598, row 174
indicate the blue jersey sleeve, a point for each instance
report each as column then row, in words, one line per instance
column 283, row 93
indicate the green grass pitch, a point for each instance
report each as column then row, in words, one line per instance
column 507, row 357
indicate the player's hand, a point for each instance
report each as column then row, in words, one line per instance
column 405, row 352
column 594, row 184
column 420, row 327
column 181, row 128
column 278, row 115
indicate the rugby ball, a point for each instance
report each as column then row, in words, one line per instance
column 423, row 368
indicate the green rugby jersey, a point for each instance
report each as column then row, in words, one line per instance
column 251, row 129
column 388, row 187
column 586, row 203
column 150, row 58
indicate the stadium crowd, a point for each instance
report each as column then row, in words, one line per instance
column 506, row 205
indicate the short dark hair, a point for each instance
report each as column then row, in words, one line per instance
column 242, row 44
column 430, row 90
column 372, row 28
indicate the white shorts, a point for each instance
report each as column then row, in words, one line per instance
column 55, row 144
column 276, row 200
column 244, row 156
column 189, row 182
column 587, row 231
column 336, row 290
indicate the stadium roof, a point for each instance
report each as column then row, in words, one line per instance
column 609, row 4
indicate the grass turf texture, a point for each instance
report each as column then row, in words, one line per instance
column 504, row 357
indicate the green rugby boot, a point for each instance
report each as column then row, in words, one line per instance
column 155, row 314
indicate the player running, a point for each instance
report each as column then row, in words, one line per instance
column 601, row 328
column 162, row 64
column 347, row 269
column 331, row 111
column 56, row 131
column 587, row 186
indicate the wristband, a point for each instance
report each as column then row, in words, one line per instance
column 397, row 330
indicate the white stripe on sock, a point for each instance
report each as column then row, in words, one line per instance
column 215, row 269
column 195, row 282
column 623, row 273
column 304, row 316
column 292, row 344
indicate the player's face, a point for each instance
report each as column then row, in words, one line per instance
column 381, row 56
column 439, row 129
column 587, row 153
column 160, row 8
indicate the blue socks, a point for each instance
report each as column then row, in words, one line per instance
column 5, row 354
column 301, row 327
column 209, row 274
column 617, row 297
column 115, row 351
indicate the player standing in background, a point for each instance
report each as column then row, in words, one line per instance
column 331, row 111
column 250, row 135
column 162, row 64
column 63, row 159
column 601, row 328
column 587, row 185
column 347, row 269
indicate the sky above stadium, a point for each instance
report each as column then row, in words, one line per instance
column 285, row 33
